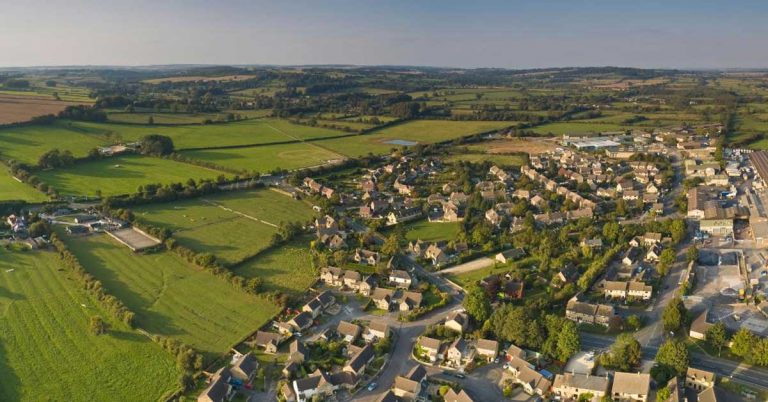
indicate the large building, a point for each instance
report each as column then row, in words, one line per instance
column 760, row 161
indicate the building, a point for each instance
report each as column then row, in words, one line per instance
column 570, row 386
column 615, row 290
column 270, row 341
column 409, row 386
column 219, row 388
column 400, row 278
column 452, row 396
column 457, row 321
column 698, row 379
column 382, row 298
column 430, row 346
column 375, row 330
column 699, row 327
column 459, row 353
column 244, row 369
column 487, row 348
column 348, row 331
column 717, row 227
column 639, row 290
column 630, row 387
column 410, row 301
column 510, row 255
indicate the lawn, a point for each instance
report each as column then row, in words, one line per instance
column 173, row 298
column 44, row 328
column 27, row 143
column 268, row 158
column 122, row 175
column 10, row 189
column 286, row 268
column 247, row 132
column 501, row 160
column 418, row 131
column 205, row 225
column 433, row 231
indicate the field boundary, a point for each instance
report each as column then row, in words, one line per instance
column 244, row 215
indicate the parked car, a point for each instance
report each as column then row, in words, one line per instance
column 460, row 376
column 372, row 386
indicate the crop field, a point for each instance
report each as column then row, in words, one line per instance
column 433, row 231
column 248, row 132
column 195, row 78
column 418, row 131
column 47, row 352
column 26, row 144
column 171, row 297
column 286, row 268
column 10, row 189
column 17, row 109
column 231, row 226
column 267, row 158
column 142, row 117
column 121, row 175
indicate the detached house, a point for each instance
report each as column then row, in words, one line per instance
column 430, row 346
column 410, row 301
column 375, row 330
column 459, row 353
column 382, row 298
column 348, row 331
column 571, row 386
column 366, row 257
column 457, row 321
column 487, row 348
column 400, row 278
column 409, row 386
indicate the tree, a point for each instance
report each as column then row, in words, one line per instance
column 673, row 356
column 692, row 254
column 98, row 326
column 611, row 231
column 391, row 245
column 477, row 303
column 568, row 341
column 156, row 144
column 743, row 342
column 674, row 316
column 633, row 322
column 667, row 257
column 39, row 228
column 678, row 230
column 625, row 353
column 717, row 337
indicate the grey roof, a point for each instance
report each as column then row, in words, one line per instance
column 631, row 383
column 303, row 319
column 244, row 366
column 362, row 358
column 312, row 381
column 348, row 328
column 582, row 382
column 264, row 338
column 218, row 388
column 326, row 297
column 388, row 397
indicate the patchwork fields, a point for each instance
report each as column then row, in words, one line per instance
column 47, row 352
column 269, row 157
column 232, row 226
column 172, row 298
column 121, row 175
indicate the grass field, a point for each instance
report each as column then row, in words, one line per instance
column 420, row 131
column 501, row 160
column 433, row 231
column 44, row 319
column 142, row 117
column 286, row 268
column 576, row 127
column 232, row 237
column 10, row 189
column 172, row 298
column 26, row 144
column 268, row 157
column 122, row 175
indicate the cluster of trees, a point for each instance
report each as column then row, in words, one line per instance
column 671, row 361
column 750, row 347
column 445, row 298
column 597, row 267
column 83, row 113
column 92, row 285
column 625, row 354
column 675, row 316
column 156, row 145
column 188, row 360
column 156, row 193
column 23, row 172
column 56, row 158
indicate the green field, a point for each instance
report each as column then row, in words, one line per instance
column 27, row 143
column 44, row 319
column 121, row 175
column 576, row 127
column 10, row 189
column 286, row 268
column 142, row 117
column 171, row 297
column 433, row 231
column 501, row 160
column 268, row 157
column 420, row 131
column 232, row 237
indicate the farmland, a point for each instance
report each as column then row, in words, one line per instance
column 231, row 226
column 121, row 175
column 20, row 108
column 172, row 298
column 501, row 160
column 10, row 189
column 27, row 143
column 44, row 320
column 286, row 268
column 268, row 157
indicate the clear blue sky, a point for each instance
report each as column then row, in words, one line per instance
column 511, row 34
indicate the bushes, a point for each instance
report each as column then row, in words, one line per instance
column 188, row 360
column 597, row 267
column 92, row 285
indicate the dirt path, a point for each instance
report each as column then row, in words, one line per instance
column 470, row 266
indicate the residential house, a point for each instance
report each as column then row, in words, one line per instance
column 400, row 278
column 569, row 386
column 318, row 383
column 417, row 248
column 314, row 307
column 632, row 256
column 532, row 381
column 510, row 255
column 453, row 396
column 615, row 290
column 639, row 290
column 459, row 353
column 352, row 279
column 588, row 313
column 654, row 253
column 244, row 369
column 375, row 330
column 515, row 352
column 297, row 352
column 430, row 346
column 699, row 380
column 403, row 215
column 630, row 387
column 717, row 227
column 568, row 274
column 332, row 276
column 348, row 331
column 219, row 388
column 457, row 321
column 326, row 299
column 360, row 359
column 437, row 254
column 513, row 289
column 487, row 348
column 410, row 301
column 301, row 321
column 366, row 257
column 270, row 341
column 409, row 386
column 382, row 298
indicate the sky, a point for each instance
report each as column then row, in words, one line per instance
column 447, row 33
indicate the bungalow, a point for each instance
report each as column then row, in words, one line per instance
column 410, row 301
column 348, row 331
column 268, row 340
column 487, row 348
column 457, row 321
column 409, row 386
column 366, row 257
column 400, row 278
column 382, row 298
column 375, row 330
column 630, row 387
column 459, row 353
column 510, row 255
column 244, row 369
column 430, row 346
column 570, row 386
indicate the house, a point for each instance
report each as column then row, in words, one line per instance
column 513, row 289
column 437, row 254
column 570, row 386
column 568, row 274
column 430, row 346
column 588, row 313
column 403, row 215
column 696, row 201
column 457, row 321
column 639, row 290
column 400, row 278
column 348, row 331
column 630, row 195
column 651, row 239
column 388, row 397
column 375, row 330
column 631, row 256
column 699, row 327
column 717, row 227
column 317, row 383
column 409, row 386
column 461, row 396
column 487, row 348
column 653, row 254
column 699, row 380
column 658, row 208
column 366, row 286
column 533, row 382
column 297, row 352
column 314, row 307
column 510, row 255
column 410, row 301
column 615, row 290
column 326, row 299
column 366, row 257
column 515, row 352
column 459, row 353
column 219, row 388
column 417, row 248
column 630, row 387
column 382, row 298
column 352, row 279
column 268, row 340
column 244, row 369
column 332, row 276
column 360, row 360
column 301, row 322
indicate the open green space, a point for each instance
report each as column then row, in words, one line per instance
column 286, row 268
column 231, row 226
column 267, row 158
column 27, row 143
column 433, row 231
column 499, row 159
column 171, row 297
column 47, row 351
column 577, row 127
column 121, row 175
column 418, row 131
column 11, row 189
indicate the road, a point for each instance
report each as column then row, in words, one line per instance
column 469, row 266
